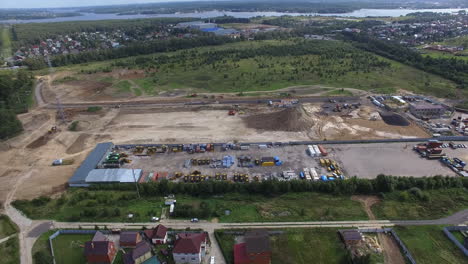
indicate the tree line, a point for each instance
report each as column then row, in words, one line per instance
column 381, row 184
column 135, row 49
column 15, row 95
column 450, row 68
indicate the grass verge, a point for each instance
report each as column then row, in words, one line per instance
column 428, row 244
column 9, row 251
column 7, row 227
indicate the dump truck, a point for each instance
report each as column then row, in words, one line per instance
column 268, row 161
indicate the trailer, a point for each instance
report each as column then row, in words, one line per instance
column 307, row 174
column 317, row 150
column 322, row 150
column 314, row 174
column 311, row 151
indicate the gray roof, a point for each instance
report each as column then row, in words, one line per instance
column 223, row 32
column 257, row 241
column 90, row 163
column 424, row 105
column 113, row 175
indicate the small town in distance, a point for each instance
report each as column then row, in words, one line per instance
column 238, row 132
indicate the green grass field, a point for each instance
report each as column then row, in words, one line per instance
column 41, row 247
column 201, row 70
column 301, row 245
column 9, row 251
column 7, row 227
column 84, row 205
column 5, row 50
column 441, row 203
column 428, row 245
column 68, row 249
column 287, row 207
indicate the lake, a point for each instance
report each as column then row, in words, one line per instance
column 216, row 13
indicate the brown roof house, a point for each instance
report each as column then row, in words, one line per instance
column 129, row 239
column 255, row 250
column 157, row 235
column 140, row 254
column 100, row 250
column 189, row 248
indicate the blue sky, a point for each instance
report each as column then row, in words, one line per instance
column 71, row 3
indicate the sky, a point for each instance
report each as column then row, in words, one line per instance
column 72, row 3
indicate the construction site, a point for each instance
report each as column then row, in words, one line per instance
column 69, row 132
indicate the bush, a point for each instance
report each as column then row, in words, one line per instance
column 93, row 109
column 73, row 126
column 43, row 200
column 42, row 258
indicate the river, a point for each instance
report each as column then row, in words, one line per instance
column 216, row 13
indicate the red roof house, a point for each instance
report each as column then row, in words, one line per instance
column 255, row 250
column 157, row 235
column 189, row 248
column 100, row 250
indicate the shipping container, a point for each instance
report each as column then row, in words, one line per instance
column 322, row 150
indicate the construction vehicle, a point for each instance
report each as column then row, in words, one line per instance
column 178, row 174
column 52, row 130
column 322, row 162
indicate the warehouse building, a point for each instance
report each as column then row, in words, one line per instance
column 196, row 25
column 426, row 110
column 113, row 176
column 91, row 162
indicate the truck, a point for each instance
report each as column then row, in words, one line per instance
column 311, row 151
column 317, row 150
column 314, row 174
column 307, row 174
column 322, row 150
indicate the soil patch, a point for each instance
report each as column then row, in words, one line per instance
column 367, row 202
column 78, row 145
column 291, row 119
column 394, row 119
column 40, row 141
column 391, row 250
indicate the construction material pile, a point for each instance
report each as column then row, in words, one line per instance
column 290, row 119
column 394, row 119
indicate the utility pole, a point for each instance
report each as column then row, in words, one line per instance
column 136, row 184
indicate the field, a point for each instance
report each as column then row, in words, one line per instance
column 41, row 249
column 287, row 207
column 402, row 205
column 5, row 42
column 82, row 205
column 428, row 244
column 9, row 251
column 302, row 245
column 68, row 249
column 7, row 228
column 240, row 67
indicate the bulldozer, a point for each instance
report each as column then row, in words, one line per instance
column 52, row 130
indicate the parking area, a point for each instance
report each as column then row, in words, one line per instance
column 361, row 160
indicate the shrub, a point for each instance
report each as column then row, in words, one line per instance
column 93, row 109
column 73, row 126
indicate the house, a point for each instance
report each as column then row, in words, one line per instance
column 351, row 236
column 140, row 254
column 99, row 249
column 255, row 250
column 189, row 248
column 157, row 235
column 129, row 239
column 424, row 109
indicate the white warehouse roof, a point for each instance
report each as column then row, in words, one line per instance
column 113, row 175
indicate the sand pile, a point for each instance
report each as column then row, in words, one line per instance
column 290, row 119
column 394, row 119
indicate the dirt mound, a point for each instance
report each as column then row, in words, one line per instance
column 291, row 119
column 394, row 119
column 79, row 144
column 39, row 142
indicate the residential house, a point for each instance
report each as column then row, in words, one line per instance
column 189, row 248
column 100, row 250
column 157, row 235
column 140, row 254
column 129, row 239
column 255, row 250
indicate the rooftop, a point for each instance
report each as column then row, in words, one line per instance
column 159, row 232
column 425, row 105
column 113, row 175
column 257, row 241
column 90, row 163
column 350, row 234
column 189, row 243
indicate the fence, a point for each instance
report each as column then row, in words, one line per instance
column 395, row 236
column 69, row 232
column 448, row 232
column 292, row 143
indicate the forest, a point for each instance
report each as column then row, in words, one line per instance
column 15, row 98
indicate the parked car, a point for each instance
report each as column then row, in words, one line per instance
column 194, row 220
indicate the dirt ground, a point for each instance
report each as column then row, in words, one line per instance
column 35, row 149
column 391, row 250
